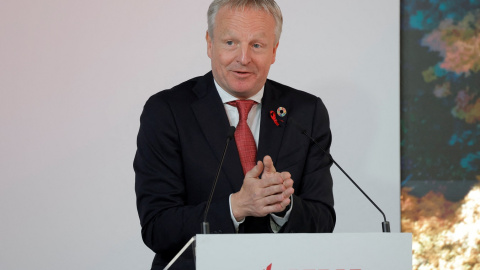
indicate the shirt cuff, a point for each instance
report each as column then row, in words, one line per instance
column 235, row 222
column 278, row 222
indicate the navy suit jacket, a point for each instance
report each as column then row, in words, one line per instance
column 179, row 146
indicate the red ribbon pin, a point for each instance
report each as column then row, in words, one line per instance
column 273, row 115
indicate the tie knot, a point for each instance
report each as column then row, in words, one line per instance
column 243, row 107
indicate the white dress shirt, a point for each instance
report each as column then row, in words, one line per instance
column 253, row 122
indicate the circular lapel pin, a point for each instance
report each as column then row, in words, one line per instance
column 281, row 111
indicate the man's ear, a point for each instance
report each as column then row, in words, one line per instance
column 209, row 44
column 275, row 52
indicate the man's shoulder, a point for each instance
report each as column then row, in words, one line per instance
column 181, row 88
column 184, row 91
column 288, row 91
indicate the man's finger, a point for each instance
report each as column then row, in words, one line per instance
column 268, row 163
column 271, row 180
column 274, row 189
column 273, row 199
column 285, row 202
column 285, row 175
column 255, row 171
column 288, row 192
column 288, row 183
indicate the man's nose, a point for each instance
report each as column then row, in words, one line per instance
column 244, row 56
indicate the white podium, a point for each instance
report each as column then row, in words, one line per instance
column 332, row 251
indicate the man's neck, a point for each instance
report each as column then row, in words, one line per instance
column 227, row 97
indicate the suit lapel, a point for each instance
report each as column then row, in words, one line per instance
column 271, row 135
column 212, row 118
column 213, row 121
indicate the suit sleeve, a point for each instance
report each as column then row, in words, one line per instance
column 168, row 220
column 313, row 199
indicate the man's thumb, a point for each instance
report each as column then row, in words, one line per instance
column 255, row 171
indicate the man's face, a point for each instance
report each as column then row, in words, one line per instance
column 241, row 50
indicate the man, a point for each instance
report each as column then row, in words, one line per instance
column 273, row 179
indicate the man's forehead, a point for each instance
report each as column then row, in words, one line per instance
column 257, row 19
column 244, row 12
column 231, row 32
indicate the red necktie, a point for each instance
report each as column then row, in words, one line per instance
column 246, row 146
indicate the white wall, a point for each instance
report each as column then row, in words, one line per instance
column 74, row 76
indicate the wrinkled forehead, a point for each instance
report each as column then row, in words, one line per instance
column 254, row 21
column 243, row 11
column 266, row 9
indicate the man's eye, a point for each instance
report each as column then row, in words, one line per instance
column 257, row 46
column 229, row 43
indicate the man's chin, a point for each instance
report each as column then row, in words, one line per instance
column 244, row 91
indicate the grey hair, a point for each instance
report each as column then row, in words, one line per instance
column 269, row 6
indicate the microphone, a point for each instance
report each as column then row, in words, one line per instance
column 385, row 223
column 205, row 224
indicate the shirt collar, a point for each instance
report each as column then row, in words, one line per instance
column 226, row 97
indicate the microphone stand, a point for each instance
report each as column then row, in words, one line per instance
column 205, row 224
column 385, row 223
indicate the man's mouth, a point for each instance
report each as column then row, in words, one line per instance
column 241, row 73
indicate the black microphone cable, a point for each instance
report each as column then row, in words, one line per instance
column 205, row 224
column 385, row 223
